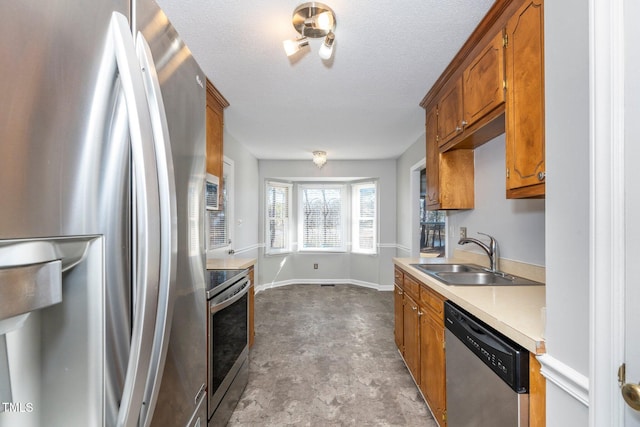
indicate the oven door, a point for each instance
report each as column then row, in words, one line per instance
column 228, row 339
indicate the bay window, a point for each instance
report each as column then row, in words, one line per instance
column 324, row 217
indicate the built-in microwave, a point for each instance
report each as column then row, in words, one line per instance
column 212, row 192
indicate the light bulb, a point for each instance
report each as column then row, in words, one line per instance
column 324, row 21
column 292, row 46
column 326, row 50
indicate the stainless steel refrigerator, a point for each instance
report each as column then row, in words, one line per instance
column 102, row 259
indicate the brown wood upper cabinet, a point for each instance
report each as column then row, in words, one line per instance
column 450, row 112
column 449, row 174
column 216, row 103
column 483, row 82
column 525, row 151
column 494, row 85
column 472, row 96
column 433, row 160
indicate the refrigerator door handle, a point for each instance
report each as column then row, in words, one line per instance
column 168, row 223
column 146, row 224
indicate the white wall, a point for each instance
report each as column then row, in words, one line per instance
column 408, row 212
column 246, row 193
column 517, row 225
column 567, row 219
column 367, row 270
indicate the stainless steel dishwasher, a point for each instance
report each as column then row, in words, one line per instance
column 487, row 374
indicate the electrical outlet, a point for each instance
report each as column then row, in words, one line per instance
column 315, row 266
column 463, row 232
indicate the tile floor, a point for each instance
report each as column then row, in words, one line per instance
column 325, row 356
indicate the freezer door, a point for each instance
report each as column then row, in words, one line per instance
column 77, row 138
column 181, row 83
column 52, row 159
column 65, row 171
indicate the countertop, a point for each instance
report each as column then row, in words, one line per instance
column 516, row 311
column 229, row 263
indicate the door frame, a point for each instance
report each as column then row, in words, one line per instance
column 414, row 205
column 607, row 210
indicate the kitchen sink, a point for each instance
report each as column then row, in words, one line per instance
column 448, row 268
column 470, row 275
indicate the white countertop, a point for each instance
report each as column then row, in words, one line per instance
column 231, row 263
column 515, row 311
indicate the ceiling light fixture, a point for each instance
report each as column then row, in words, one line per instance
column 313, row 20
column 319, row 158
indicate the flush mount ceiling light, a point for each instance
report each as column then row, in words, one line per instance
column 313, row 20
column 319, row 158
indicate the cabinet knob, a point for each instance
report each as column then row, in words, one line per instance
column 542, row 176
column 461, row 127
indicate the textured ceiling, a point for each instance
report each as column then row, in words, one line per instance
column 361, row 104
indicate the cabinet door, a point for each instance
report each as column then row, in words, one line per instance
column 216, row 103
column 432, row 365
column 483, row 82
column 433, row 160
column 450, row 112
column 450, row 183
column 214, row 141
column 398, row 317
column 433, row 369
column 411, row 324
column 525, row 102
column 456, row 179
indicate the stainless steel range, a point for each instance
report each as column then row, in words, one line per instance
column 228, row 341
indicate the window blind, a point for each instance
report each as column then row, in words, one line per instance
column 322, row 217
column 364, row 218
column 278, row 213
column 218, row 223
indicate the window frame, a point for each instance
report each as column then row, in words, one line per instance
column 288, row 229
column 356, row 217
column 226, row 209
column 344, row 216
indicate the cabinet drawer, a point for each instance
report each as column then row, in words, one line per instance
column 432, row 300
column 398, row 277
column 412, row 286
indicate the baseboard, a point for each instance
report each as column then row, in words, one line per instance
column 361, row 283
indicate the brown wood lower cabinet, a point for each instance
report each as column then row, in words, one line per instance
column 419, row 335
column 398, row 314
column 432, row 363
column 537, row 394
column 412, row 337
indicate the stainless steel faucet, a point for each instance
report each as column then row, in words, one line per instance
column 491, row 249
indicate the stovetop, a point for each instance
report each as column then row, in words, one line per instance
column 219, row 280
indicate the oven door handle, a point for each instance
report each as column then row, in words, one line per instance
column 240, row 289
